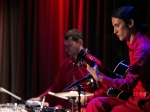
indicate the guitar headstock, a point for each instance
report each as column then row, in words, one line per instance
column 81, row 56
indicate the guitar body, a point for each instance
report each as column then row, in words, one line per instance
column 118, row 93
column 120, row 72
column 121, row 69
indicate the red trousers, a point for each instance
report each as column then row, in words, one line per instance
column 112, row 104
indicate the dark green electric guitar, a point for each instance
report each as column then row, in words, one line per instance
column 119, row 72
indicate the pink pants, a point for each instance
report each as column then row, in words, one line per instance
column 112, row 104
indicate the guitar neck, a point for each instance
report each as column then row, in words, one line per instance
column 103, row 70
column 82, row 57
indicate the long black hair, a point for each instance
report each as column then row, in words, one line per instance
column 126, row 13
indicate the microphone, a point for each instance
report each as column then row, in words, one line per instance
column 77, row 82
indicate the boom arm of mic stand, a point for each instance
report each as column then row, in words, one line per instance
column 77, row 82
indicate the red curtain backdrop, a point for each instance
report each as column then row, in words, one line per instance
column 31, row 39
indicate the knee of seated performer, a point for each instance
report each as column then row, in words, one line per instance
column 98, row 103
column 92, row 101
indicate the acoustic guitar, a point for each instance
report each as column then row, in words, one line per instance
column 119, row 72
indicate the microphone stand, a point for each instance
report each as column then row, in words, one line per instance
column 79, row 97
column 72, row 99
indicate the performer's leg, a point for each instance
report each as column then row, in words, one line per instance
column 103, row 104
column 132, row 106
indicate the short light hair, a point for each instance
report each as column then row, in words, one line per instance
column 75, row 34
